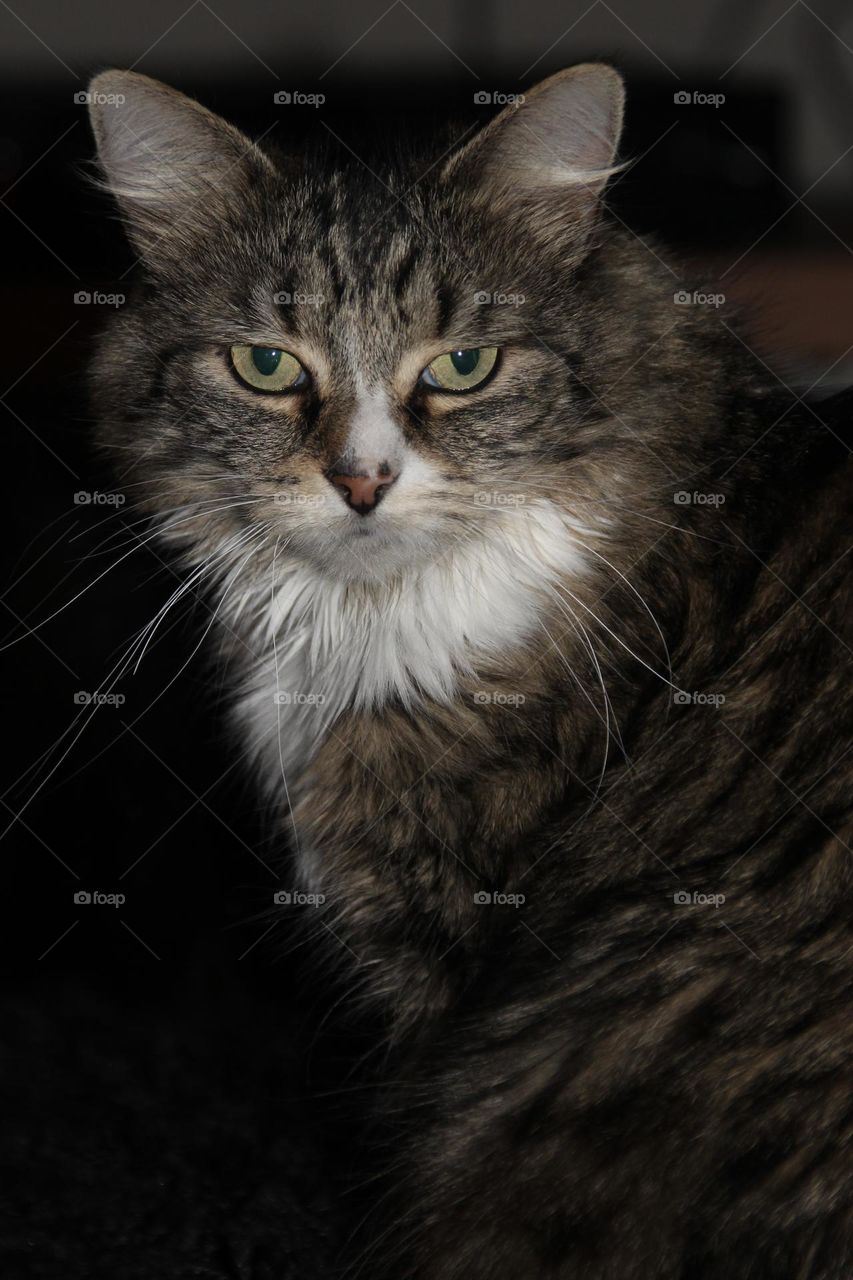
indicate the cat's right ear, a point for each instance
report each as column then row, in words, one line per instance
column 171, row 164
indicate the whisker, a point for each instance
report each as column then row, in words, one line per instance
column 273, row 586
column 137, row 544
column 113, row 676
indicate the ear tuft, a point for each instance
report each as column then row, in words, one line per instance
column 165, row 158
column 564, row 133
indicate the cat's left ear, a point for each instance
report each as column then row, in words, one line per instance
column 172, row 165
column 554, row 147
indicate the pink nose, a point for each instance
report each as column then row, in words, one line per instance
column 363, row 492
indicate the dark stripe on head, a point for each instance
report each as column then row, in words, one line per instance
column 335, row 276
column 405, row 272
column 446, row 307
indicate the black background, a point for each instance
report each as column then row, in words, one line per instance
column 127, row 1026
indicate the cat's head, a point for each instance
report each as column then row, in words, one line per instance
column 371, row 366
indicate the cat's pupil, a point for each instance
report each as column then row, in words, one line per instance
column 465, row 362
column 266, row 360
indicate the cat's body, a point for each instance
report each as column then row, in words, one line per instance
column 532, row 672
column 606, row 1081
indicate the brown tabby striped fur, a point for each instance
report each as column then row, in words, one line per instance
column 602, row 1083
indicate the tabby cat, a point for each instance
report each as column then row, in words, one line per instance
column 533, row 585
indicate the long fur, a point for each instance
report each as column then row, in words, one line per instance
column 565, row 727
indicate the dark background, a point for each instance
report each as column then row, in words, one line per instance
column 190, row 990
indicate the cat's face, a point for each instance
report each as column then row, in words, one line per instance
column 370, row 367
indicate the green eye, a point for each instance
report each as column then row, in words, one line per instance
column 460, row 370
column 269, row 368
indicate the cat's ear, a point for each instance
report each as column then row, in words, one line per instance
column 555, row 146
column 170, row 163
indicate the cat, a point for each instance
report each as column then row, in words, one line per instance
column 533, row 588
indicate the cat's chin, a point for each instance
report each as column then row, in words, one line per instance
column 370, row 551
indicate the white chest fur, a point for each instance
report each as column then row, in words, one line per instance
column 322, row 646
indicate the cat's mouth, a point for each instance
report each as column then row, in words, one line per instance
column 396, row 535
